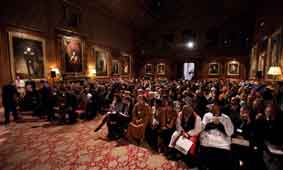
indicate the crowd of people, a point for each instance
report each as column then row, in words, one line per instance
column 215, row 125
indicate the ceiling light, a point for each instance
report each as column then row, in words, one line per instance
column 190, row 44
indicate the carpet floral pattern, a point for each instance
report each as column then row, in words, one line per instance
column 40, row 146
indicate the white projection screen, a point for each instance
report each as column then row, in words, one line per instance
column 189, row 71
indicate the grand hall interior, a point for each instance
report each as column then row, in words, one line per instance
column 141, row 85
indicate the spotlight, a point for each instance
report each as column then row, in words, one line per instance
column 190, row 44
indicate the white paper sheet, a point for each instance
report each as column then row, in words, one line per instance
column 183, row 145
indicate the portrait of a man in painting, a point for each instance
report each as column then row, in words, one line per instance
column 148, row 69
column 115, row 67
column 275, row 47
column 161, row 69
column 101, row 62
column 213, row 69
column 125, row 64
column 27, row 54
column 233, row 68
column 73, row 56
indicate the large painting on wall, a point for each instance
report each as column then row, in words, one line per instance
column 101, row 61
column 214, row 69
column 275, row 47
column 233, row 68
column 148, row 69
column 260, row 64
column 160, row 69
column 72, row 55
column 115, row 67
column 125, row 64
column 253, row 63
column 27, row 56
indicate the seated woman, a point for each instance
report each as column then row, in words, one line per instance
column 117, row 117
column 188, row 125
column 153, row 128
column 167, row 123
column 215, row 140
column 141, row 117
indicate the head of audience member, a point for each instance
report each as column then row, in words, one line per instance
column 187, row 111
column 234, row 101
column 258, row 106
column 141, row 99
column 140, row 91
column 245, row 114
column 12, row 83
column 29, row 88
column 118, row 98
column 250, row 100
column 216, row 109
column 270, row 112
column 151, row 95
column 199, row 93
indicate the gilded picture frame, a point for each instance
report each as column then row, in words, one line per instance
column 253, row 63
column 27, row 56
column 72, row 55
column 233, row 68
column 125, row 64
column 116, row 67
column 148, row 69
column 214, row 69
column 275, row 47
column 102, row 65
column 161, row 69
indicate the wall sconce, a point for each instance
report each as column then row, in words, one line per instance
column 91, row 71
column 56, row 70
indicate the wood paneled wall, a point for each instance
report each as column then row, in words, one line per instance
column 174, row 68
column 46, row 19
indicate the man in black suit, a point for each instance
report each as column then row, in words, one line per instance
column 9, row 100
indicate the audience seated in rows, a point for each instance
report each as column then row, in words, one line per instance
column 218, row 124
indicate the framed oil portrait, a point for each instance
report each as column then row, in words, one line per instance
column 253, row 62
column 160, row 69
column 125, row 64
column 115, row 67
column 148, row 69
column 102, row 57
column 275, row 47
column 261, row 63
column 233, row 68
column 214, row 69
column 72, row 55
column 27, row 56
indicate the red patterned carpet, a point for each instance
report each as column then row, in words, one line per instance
column 36, row 145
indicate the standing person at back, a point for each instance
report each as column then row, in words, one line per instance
column 9, row 100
